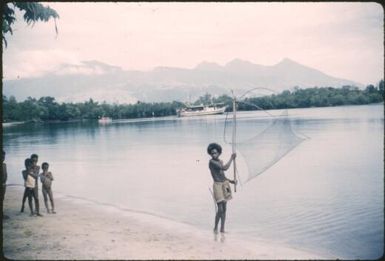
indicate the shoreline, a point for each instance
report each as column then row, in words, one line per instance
column 83, row 230
column 12, row 123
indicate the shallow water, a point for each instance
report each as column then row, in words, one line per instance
column 326, row 195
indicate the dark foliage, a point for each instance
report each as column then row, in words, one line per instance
column 33, row 12
column 47, row 109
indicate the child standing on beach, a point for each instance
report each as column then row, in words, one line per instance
column 4, row 176
column 4, row 185
column 30, row 180
column 36, row 169
column 46, row 179
column 25, row 175
column 221, row 187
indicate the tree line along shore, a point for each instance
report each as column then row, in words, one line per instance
column 47, row 109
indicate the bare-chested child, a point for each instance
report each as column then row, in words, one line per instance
column 4, row 184
column 29, row 182
column 3, row 176
column 46, row 179
column 35, row 169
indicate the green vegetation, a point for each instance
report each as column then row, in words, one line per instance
column 318, row 97
column 47, row 109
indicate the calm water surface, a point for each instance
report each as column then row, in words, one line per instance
column 326, row 195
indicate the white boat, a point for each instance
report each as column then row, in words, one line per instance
column 104, row 120
column 200, row 110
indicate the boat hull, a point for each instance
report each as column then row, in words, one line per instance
column 104, row 120
column 183, row 113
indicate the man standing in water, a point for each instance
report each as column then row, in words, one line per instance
column 36, row 169
column 221, row 187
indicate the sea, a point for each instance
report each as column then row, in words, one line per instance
column 325, row 195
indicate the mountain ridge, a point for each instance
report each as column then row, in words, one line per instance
column 105, row 82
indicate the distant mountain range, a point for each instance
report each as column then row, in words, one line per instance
column 103, row 82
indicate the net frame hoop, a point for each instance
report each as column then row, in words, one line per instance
column 237, row 101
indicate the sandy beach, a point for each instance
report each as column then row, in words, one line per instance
column 86, row 230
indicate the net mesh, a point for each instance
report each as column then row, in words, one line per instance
column 269, row 146
column 262, row 139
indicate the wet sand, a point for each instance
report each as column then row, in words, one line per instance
column 85, row 230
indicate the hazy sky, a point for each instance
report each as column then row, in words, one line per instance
column 344, row 39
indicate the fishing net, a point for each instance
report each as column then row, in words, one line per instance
column 262, row 138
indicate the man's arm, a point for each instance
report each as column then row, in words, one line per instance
column 220, row 164
column 227, row 165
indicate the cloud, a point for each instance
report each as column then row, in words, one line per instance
column 332, row 37
column 86, row 68
column 34, row 63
